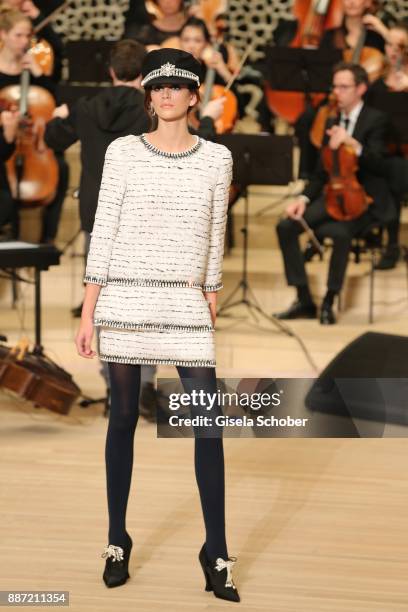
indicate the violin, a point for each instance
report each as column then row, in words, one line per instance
column 345, row 197
column 32, row 170
column 36, row 378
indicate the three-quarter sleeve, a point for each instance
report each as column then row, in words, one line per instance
column 213, row 275
column 107, row 215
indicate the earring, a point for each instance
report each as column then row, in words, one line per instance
column 152, row 111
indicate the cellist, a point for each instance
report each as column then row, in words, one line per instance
column 31, row 10
column 362, row 129
column 8, row 128
column 15, row 36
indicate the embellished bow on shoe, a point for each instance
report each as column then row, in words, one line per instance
column 221, row 564
column 113, row 551
column 117, row 563
column 220, row 583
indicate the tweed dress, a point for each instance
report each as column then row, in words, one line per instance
column 156, row 245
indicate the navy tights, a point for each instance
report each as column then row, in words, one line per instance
column 208, row 455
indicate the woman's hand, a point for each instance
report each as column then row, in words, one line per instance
column 10, row 120
column 211, row 298
column 83, row 338
column 374, row 23
column 62, row 112
column 29, row 61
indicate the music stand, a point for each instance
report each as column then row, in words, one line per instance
column 303, row 70
column 263, row 160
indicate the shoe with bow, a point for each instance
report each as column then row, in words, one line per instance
column 117, row 563
column 218, row 576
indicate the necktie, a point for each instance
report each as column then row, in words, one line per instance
column 346, row 122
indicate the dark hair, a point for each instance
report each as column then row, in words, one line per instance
column 148, row 100
column 195, row 22
column 400, row 25
column 359, row 73
column 126, row 59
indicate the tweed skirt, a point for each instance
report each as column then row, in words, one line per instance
column 157, row 347
column 152, row 325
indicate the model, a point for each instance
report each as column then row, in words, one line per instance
column 153, row 271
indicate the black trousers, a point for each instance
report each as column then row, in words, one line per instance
column 324, row 226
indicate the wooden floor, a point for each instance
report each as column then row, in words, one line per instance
column 318, row 525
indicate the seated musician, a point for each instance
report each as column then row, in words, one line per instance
column 346, row 38
column 9, row 122
column 356, row 16
column 15, row 36
column 394, row 79
column 363, row 129
column 166, row 25
column 195, row 38
column 34, row 12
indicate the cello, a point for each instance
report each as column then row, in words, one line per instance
column 32, row 170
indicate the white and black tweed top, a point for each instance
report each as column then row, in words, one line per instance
column 160, row 222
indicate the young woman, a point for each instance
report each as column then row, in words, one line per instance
column 161, row 28
column 195, row 39
column 395, row 78
column 15, row 37
column 153, row 270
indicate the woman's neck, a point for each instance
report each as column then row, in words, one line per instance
column 170, row 23
column 10, row 63
column 353, row 24
column 172, row 136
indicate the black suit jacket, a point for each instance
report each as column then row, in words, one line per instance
column 370, row 130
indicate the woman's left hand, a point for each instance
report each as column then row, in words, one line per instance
column 29, row 61
column 211, row 298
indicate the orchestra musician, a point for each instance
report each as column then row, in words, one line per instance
column 166, row 25
column 363, row 130
column 196, row 39
column 394, row 79
column 356, row 16
column 357, row 19
column 9, row 122
column 47, row 32
column 15, row 56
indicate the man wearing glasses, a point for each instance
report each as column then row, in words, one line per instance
column 363, row 129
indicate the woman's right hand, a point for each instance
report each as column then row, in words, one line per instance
column 84, row 337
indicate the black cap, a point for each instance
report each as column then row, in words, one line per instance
column 173, row 66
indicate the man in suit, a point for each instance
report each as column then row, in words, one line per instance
column 363, row 129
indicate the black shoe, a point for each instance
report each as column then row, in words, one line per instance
column 326, row 315
column 389, row 259
column 117, row 563
column 218, row 576
column 297, row 310
column 77, row 311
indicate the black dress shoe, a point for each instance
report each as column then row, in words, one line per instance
column 218, row 576
column 389, row 259
column 117, row 563
column 326, row 315
column 297, row 310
